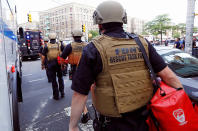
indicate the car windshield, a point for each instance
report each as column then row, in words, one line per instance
column 181, row 63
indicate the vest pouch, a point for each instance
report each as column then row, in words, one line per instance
column 104, row 102
column 132, row 90
column 53, row 52
column 76, row 53
column 74, row 58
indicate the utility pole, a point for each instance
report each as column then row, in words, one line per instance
column 189, row 25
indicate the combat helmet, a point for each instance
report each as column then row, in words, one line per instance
column 109, row 11
column 77, row 33
column 45, row 39
column 52, row 36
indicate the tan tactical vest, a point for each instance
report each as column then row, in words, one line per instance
column 124, row 84
column 53, row 51
column 76, row 53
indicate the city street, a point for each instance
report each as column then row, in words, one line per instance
column 39, row 111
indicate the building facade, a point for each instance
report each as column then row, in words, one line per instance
column 137, row 25
column 128, row 27
column 30, row 25
column 64, row 19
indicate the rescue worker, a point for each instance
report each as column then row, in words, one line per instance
column 73, row 51
column 45, row 39
column 50, row 52
column 114, row 62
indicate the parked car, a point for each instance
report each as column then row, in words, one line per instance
column 184, row 66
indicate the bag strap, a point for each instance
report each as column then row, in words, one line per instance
column 146, row 59
column 96, row 116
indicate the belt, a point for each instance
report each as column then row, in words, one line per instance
column 134, row 114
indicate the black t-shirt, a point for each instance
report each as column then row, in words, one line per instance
column 178, row 45
column 91, row 63
column 67, row 50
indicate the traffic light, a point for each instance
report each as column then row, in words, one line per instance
column 29, row 17
column 83, row 28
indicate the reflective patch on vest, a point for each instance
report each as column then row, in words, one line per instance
column 77, row 48
column 53, row 47
column 125, row 54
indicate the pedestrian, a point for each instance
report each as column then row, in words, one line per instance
column 44, row 66
column 166, row 42
column 194, row 42
column 177, row 43
column 183, row 44
column 50, row 52
column 73, row 51
column 123, row 86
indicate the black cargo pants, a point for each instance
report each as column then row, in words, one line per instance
column 55, row 70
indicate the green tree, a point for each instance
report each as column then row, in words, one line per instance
column 176, row 35
column 92, row 34
column 175, row 31
column 159, row 25
column 195, row 30
column 178, row 30
column 182, row 28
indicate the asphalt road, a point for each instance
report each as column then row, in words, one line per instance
column 39, row 111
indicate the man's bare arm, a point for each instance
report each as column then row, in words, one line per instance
column 77, row 107
column 169, row 77
column 42, row 59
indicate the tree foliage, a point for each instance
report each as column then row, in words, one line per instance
column 195, row 30
column 159, row 25
column 182, row 28
column 93, row 33
column 178, row 30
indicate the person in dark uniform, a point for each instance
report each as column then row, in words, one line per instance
column 45, row 62
column 50, row 52
column 114, row 62
column 73, row 51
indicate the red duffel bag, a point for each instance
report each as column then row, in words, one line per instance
column 60, row 60
column 172, row 110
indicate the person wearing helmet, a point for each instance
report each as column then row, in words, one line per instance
column 114, row 62
column 50, row 52
column 44, row 66
column 73, row 51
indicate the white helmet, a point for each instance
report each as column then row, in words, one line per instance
column 45, row 39
column 77, row 33
column 60, row 39
column 52, row 36
column 109, row 11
